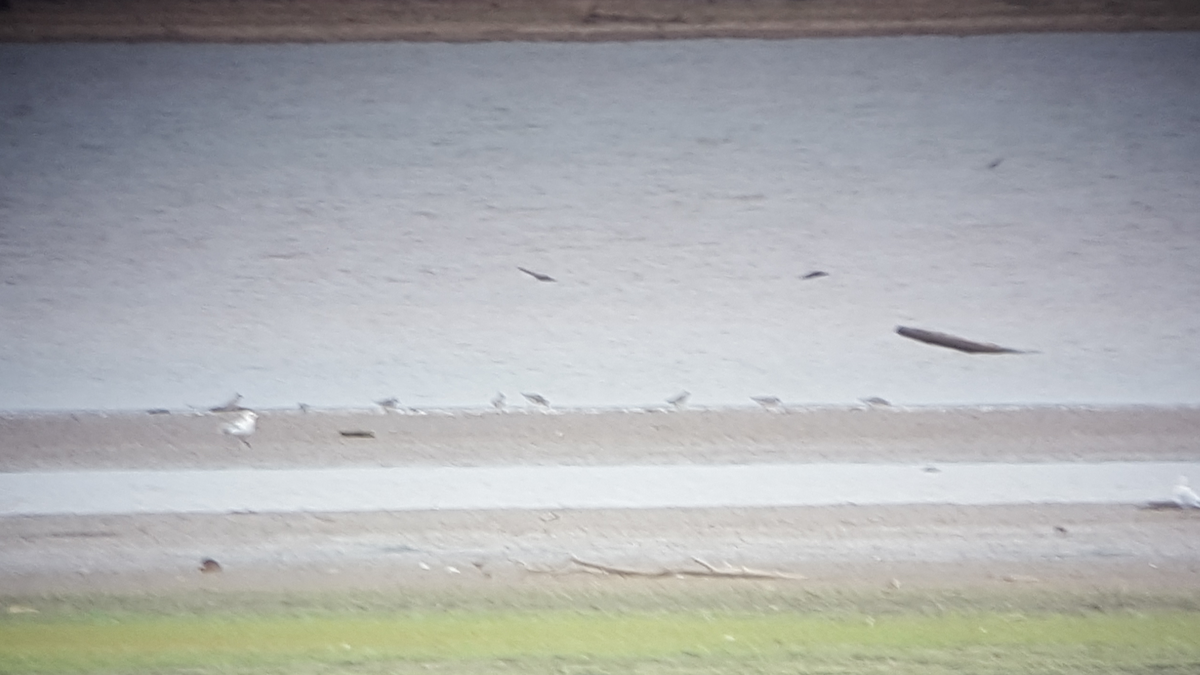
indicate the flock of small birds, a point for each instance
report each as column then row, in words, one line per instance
column 243, row 426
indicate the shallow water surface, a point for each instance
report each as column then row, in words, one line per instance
column 584, row 487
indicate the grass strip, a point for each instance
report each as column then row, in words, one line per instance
column 30, row 643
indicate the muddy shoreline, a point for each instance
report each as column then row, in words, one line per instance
column 287, row 439
column 569, row 20
column 1060, row 547
column 1076, row 547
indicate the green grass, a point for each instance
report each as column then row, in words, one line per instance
column 301, row 638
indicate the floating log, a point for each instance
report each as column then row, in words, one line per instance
column 356, row 433
column 537, row 275
column 954, row 342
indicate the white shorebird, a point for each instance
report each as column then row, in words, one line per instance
column 768, row 402
column 242, row 427
column 499, row 400
column 388, row 404
column 1184, row 495
column 537, row 399
column 680, row 400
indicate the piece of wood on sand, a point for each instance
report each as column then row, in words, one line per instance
column 708, row 571
column 954, row 342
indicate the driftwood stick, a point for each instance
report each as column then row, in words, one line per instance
column 621, row 571
column 709, row 571
column 744, row 572
column 953, row 342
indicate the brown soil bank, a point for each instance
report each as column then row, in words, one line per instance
column 566, row 20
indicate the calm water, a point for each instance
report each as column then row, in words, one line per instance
column 582, row 487
column 337, row 224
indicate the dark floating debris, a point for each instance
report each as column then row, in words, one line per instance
column 210, row 566
column 1163, row 506
column 995, row 162
column 815, row 274
column 953, row 342
column 158, row 411
column 537, row 275
column 354, row 433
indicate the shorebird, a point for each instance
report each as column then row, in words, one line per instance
column 680, row 400
column 1184, row 495
column 768, row 402
column 242, row 427
column 232, row 405
column 388, row 404
column 499, row 401
column 537, row 399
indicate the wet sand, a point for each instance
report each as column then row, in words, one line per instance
column 1047, row 546
column 291, row 439
column 944, row 547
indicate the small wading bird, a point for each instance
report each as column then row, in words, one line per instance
column 536, row 399
column 242, row 427
column 1184, row 495
column 680, row 400
column 232, row 405
column 768, row 402
column 388, row 404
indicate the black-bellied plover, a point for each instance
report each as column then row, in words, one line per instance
column 232, row 405
column 680, row 400
column 771, row 403
column 537, row 399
